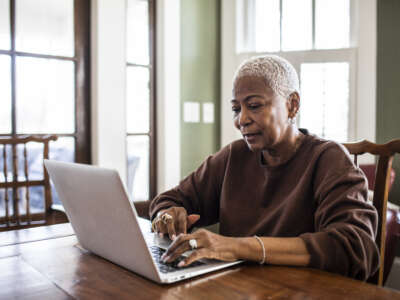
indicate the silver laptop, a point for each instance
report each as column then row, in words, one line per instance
column 106, row 223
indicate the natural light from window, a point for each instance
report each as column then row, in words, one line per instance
column 138, row 98
column 45, row 93
column 5, row 94
column 5, row 41
column 267, row 22
column 296, row 25
column 332, row 24
column 324, row 108
column 287, row 25
column 45, row 27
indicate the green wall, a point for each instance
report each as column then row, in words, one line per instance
column 200, row 78
column 388, row 81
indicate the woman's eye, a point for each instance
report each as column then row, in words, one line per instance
column 235, row 109
column 254, row 106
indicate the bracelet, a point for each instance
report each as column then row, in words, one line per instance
column 263, row 249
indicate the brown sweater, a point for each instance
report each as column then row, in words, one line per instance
column 318, row 195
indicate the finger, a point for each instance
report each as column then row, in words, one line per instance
column 178, row 251
column 182, row 238
column 191, row 220
column 161, row 228
column 171, row 229
column 196, row 255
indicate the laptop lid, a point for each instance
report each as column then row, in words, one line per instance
column 101, row 215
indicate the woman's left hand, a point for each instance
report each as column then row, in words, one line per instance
column 209, row 245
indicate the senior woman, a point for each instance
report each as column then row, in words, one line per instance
column 282, row 195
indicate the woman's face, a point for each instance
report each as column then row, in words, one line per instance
column 259, row 113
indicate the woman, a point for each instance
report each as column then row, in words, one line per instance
column 281, row 195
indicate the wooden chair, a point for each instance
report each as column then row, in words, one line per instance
column 15, row 182
column 384, row 154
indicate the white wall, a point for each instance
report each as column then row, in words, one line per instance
column 108, row 59
column 228, row 67
column 366, row 73
column 108, row 66
column 168, row 94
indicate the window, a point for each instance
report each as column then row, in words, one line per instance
column 44, row 83
column 315, row 36
column 140, row 99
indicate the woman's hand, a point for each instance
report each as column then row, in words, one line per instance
column 209, row 245
column 173, row 221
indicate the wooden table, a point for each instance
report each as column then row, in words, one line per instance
column 47, row 263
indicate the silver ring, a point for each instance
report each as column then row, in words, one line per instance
column 165, row 218
column 193, row 243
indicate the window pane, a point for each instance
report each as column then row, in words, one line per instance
column 138, row 167
column 45, row 26
column 36, row 200
column 267, row 25
column 45, row 96
column 5, row 94
column 2, row 202
column 332, row 24
column 34, row 160
column 296, row 25
column 9, row 164
column 137, row 32
column 138, row 100
column 324, row 108
column 5, row 41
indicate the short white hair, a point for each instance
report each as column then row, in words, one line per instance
column 278, row 73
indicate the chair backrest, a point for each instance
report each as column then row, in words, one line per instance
column 17, row 179
column 384, row 154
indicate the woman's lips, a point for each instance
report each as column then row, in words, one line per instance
column 251, row 137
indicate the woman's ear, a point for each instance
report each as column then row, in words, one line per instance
column 293, row 104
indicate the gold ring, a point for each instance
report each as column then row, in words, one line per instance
column 165, row 218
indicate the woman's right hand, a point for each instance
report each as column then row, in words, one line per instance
column 173, row 221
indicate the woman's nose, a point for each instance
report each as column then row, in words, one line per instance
column 244, row 118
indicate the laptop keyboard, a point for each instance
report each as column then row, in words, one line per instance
column 169, row 267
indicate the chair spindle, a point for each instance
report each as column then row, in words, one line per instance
column 47, row 191
column 28, row 211
column 15, row 180
column 6, row 188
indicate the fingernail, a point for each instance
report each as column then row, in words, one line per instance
column 173, row 237
column 181, row 263
column 160, row 235
column 162, row 256
column 165, row 259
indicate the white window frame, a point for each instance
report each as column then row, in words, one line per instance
column 361, row 56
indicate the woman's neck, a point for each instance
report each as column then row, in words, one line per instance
column 285, row 149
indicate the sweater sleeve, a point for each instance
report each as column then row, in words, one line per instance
column 199, row 192
column 345, row 223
